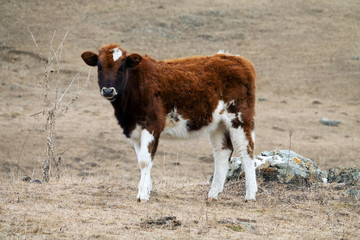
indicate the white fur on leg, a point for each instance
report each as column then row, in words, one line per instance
column 221, row 159
column 144, row 160
column 240, row 143
column 250, row 177
column 145, row 184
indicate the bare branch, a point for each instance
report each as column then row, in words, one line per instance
column 51, row 44
column 36, row 45
column 37, row 113
column 64, row 110
column 58, row 49
column 66, row 90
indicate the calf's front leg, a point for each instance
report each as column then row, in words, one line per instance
column 145, row 152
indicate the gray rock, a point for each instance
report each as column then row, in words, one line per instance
column 344, row 175
column 283, row 166
column 328, row 122
column 14, row 87
column 248, row 226
column 38, row 181
column 352, row 192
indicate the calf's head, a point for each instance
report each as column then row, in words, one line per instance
column 113, row 65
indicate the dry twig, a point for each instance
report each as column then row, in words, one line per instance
column 53, row 107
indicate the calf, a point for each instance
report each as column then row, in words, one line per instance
column 182, row 98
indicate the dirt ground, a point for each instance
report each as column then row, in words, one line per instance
column 307, row 57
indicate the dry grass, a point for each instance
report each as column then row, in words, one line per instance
column 100, row 208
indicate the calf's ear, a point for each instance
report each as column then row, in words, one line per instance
column 90, row 58
column 133, row 60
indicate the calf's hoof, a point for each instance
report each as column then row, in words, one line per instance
column 143, row 197
column 211, row 200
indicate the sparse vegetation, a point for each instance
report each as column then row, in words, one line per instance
column 94, row 207
column 54, row 106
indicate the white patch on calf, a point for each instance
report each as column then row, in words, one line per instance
column 144, row 154
column 178, row 128
column 117, row 53
column 175, row 128
column 176, row 125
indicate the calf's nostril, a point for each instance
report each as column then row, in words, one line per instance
column 108, row 90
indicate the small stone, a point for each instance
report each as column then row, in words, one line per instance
column 354, row 193
column 14, row 87
column 344, row 175
column 261, row 99
column 357, row 57
column 38, row 181
column 328, row 122
column 316, row 102
column 248, row 226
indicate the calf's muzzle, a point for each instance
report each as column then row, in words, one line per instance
column 108, row 93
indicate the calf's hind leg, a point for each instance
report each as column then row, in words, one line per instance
column 222, row 149
column 243, row 145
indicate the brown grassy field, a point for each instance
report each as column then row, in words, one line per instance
column 306, row 56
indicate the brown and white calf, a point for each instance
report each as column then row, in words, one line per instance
column 182, row 98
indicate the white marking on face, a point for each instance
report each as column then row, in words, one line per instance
column 117, row 53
